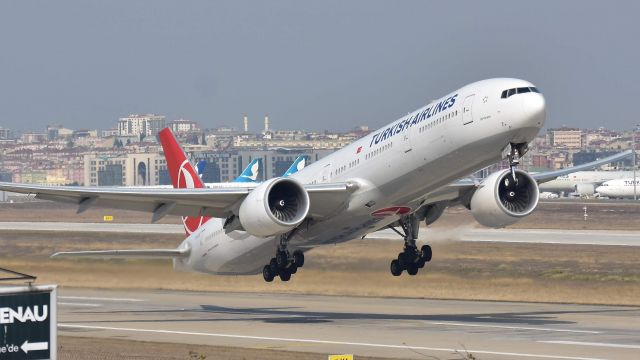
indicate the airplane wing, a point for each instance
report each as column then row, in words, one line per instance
column 550, row 175
column 130, row 254
column 219, row 202
column 460, row 191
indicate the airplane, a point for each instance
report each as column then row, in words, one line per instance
column 619, row 188
column 406, row 172
column 582, row 182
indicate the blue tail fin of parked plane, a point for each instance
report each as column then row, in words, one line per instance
column 252, row 172
column 200, row 168
column 297, row 165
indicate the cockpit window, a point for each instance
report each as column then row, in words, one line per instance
column 507, row 93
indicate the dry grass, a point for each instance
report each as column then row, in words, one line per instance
column 485, row 271
column 79, row 348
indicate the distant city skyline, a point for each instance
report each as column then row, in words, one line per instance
column 329, row 65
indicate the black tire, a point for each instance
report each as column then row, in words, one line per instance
column 396, row 269
column 293, row 268
column 267, row 274
column 282, row 259
column 285, row 274
column 420, row 262
column 412, row 269
column 402, row 261
column 298, row 258
column 273, row 264
column 426, row 253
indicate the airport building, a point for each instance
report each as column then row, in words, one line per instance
column 569, row 138
column 136, row 125
column 137, row 169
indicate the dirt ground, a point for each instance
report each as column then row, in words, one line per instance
column 78, row 348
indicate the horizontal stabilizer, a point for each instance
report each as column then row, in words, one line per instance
column 131, row 254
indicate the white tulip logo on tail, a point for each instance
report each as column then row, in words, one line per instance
column 185, row 181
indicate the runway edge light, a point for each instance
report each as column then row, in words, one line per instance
column 341, row 357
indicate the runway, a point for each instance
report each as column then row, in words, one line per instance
column 382, row 327
column 546, row 236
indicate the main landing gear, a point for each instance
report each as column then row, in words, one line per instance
column 410, row 259
column 284, row 264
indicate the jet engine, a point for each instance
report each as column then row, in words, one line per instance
column 274, row 207
column 585, row 189
column 500, row 201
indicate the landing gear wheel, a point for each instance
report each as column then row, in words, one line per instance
column 403, row 261
column 293, row 268
column 412, row 269
column 426, row 253
column 285, row 274
column 282, row 260
column 298, row 258
column 396, row 269
column 267, row 273
column 273, row 264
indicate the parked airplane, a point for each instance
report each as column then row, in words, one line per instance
column 582, row 182
column 406, row 172
column 619, row 188
column 255, row 171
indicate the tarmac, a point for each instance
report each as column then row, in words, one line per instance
column 382, row 327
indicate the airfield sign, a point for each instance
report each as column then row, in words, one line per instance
column 28, row 322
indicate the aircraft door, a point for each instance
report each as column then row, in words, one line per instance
column 327, row 173
column 467, row 110
column 406, row 140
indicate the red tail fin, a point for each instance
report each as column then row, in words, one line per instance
column 183, row 175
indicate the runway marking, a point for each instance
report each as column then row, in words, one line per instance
column 331, row 342
column 98, row 298
column 513, row 327
column 591, row 344
column 79, row 304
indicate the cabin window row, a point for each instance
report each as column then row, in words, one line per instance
column 379, row 150
column 439, row 120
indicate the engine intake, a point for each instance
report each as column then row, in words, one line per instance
column 500, row 201
column 274, row 207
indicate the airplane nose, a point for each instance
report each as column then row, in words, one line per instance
column 535, row 109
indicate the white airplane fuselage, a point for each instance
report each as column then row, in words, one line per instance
column 588, row 180
column 401, row 164
column 619, row 188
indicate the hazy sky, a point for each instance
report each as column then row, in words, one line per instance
column 309, row 65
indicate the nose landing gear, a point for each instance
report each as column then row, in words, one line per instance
column 410, row 259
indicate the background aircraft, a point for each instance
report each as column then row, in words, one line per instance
column 582, row 182
column 619, row 188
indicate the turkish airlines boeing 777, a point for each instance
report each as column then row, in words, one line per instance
column 406, row 172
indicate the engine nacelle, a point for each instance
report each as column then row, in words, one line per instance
column 585, row 189
column 500, row 201
column 274, row 207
